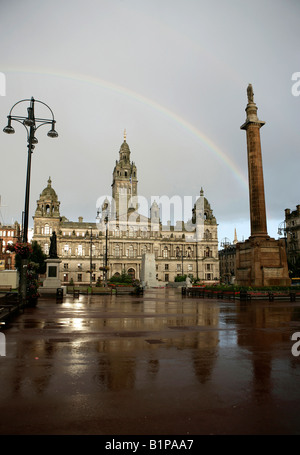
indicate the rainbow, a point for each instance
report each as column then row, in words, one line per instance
column 204, row 139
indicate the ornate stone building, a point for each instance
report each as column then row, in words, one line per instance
column 292, row 232
column 122, row 235
column 9, row 233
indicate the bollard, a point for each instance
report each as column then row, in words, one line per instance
column 59, row 294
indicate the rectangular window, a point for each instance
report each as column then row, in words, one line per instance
column 79, row 277
column 166, row 277
column 79, row 266
column 66, row 266
column 166, row 266
column 190, row 267
column 66, row 278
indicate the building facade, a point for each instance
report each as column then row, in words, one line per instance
column 122, row 235
column 292, row 232
column 9, row 234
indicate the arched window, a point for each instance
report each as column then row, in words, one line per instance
column 79, row 250
column 47, row 229
column 131, row 272
column 165, row 252
column 117, row 251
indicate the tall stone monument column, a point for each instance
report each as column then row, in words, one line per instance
column 260, row 260
column 252, row 127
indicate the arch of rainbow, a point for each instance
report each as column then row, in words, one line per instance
column 205, row 140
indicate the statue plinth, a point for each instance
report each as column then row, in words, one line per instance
column 52, row 281
column 261, row 261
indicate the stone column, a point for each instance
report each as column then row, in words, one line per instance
column 252, row 126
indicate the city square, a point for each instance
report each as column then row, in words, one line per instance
column 149, row 221
column 157, row 364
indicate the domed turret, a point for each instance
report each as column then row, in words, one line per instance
column 202, row 211
column 48, row 204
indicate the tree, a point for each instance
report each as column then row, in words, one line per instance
column 37, row 256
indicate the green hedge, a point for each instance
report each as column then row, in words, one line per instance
column 254, row 288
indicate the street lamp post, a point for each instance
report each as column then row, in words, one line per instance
column 31, row 124
column 106, row 233
column 91, row 260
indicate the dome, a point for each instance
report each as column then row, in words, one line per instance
column 202, row 208
column 125, row 147
column 48, row 193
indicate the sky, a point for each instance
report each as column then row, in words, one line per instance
column 174, row 74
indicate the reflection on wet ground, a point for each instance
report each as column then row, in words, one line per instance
column 156, row 364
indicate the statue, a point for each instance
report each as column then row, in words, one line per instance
column 53, row 246
column 188, row 282
column 250, row 93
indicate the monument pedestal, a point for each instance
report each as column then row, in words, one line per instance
column 148, row 271
column 52, row 281
column 261, row 261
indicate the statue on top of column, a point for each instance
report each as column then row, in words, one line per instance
column 250, row 93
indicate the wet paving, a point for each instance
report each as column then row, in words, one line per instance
column 158, row 364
